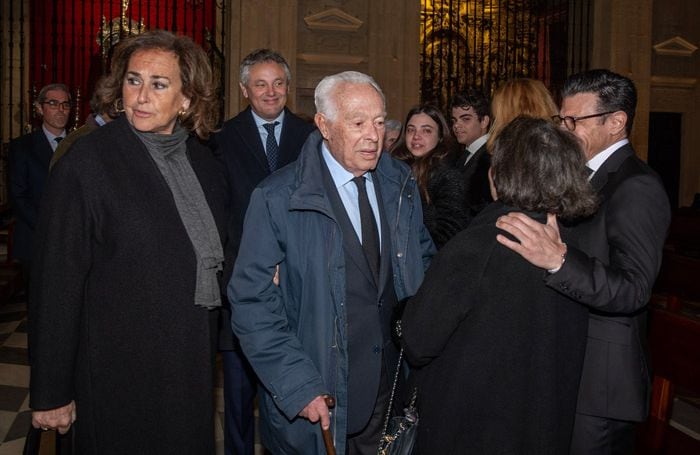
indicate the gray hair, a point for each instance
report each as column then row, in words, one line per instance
column 392, row 125
column 323, row 95
column 43, row 93
column 262, row 56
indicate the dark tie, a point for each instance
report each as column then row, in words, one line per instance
column 58, row 139
column 466, row 157
column 271, row 147
column 589, row 171
column 370, row 235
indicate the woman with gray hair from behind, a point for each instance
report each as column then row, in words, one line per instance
column 491, row 345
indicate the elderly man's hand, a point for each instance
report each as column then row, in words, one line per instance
column 540, row 244
column 317, row 410
column 55, row 419
column 276, row 278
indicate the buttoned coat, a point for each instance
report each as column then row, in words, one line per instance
column 113, row 324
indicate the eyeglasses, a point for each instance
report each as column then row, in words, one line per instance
column 55, row 104
column 570, row 122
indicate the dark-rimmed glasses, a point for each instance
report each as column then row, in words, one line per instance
column 55, row 104
column 570, row 122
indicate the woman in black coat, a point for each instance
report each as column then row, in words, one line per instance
column 427, row 145
column 128, row 260
column 497, row 354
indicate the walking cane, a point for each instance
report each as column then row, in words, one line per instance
column 327, row 438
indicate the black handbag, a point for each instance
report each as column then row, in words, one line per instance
column 399, row 433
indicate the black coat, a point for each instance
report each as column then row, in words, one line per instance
column 498, row 353
column 447, row 213
column 113, row 323
column 613, row 271
column 29, row 159
column 476, row 179
column 244, row 154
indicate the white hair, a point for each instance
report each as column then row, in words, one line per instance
column 392, row 125
column 325, row 90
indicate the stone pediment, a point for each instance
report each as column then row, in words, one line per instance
column 333, row 19
column 675, row 46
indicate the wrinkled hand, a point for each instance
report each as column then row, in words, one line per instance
column 539, row 244
column 55, row 419
column 317, row 410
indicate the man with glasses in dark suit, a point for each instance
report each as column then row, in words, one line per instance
column 29, row 160
column 614, row 264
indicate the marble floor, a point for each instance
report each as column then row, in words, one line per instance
column 15, row 416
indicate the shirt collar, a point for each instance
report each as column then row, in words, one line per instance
column 340, row 175
column 476, row 145
column 50, row 136
column 259, row 121
column 600, row 158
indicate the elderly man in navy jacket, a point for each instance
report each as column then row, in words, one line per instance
column 343, row 228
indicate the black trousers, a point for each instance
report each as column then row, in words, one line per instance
column 602, row 436
column 366, row 441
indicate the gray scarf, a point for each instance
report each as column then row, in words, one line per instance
column 169, row 151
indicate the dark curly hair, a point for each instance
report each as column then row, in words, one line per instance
column 537, row 166
column 195, row 72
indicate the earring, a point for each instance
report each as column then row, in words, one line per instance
column 181, row 113
column 118, row 105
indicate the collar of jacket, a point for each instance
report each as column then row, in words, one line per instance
column 309, row 193
column 611, row 165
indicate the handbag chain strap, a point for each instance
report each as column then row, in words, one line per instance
column 393, row 388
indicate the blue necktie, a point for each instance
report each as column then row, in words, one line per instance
column 271, row 148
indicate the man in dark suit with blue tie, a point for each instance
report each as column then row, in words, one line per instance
column 614, row 264
column 259, row 140
column 29, row 160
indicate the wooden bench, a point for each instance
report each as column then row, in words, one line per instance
column 675, row 356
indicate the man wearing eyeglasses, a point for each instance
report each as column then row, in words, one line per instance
column 614, row 264
column 29, row 158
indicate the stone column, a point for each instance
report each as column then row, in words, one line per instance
column 621, row 42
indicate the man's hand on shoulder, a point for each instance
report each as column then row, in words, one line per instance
column 539, row 244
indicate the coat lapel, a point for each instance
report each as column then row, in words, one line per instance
column 385, row 254
column 42, row 148
column 250, row 136
column 290, row 131
column 610, row 166
column 351, row 242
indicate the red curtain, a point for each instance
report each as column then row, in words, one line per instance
column 63, row 37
